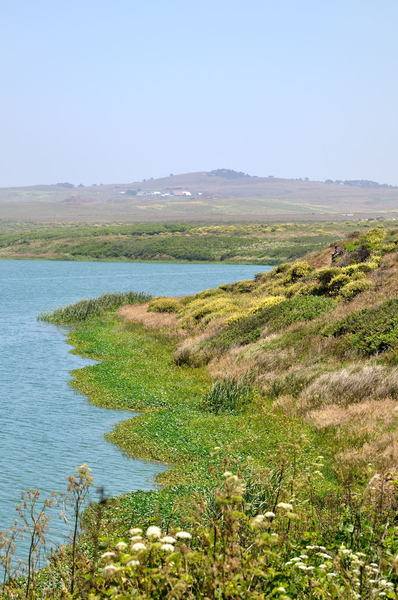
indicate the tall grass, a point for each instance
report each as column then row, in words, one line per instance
column 92, row 307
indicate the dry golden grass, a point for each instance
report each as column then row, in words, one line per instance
column 231, row 362
column 138, row 313
column 349, row 385
column 364, row 414
column 381, row 452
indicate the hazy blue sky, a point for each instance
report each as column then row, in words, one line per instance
column 112, row 91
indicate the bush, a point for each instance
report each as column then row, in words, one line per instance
column 359, row 267
column 351, row 289
column 164, row 304
column 326, row 274
column 300, row 308
column 249, row 328
column 299, row 270
column 370, row 330
column 93, row 307
column 337, row 282
column 240, row 287
column 203, row 307
column 266, row 302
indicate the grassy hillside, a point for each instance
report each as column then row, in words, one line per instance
column 257, row 243
column 214, row 196
column 319, row 337
column 275, row 401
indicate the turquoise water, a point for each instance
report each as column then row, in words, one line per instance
column 46, row 428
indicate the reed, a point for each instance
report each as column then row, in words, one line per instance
column 92, row 307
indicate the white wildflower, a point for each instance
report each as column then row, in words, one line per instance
column 135, row 531
column 135, row 538
column 257, row 520
column 269, row 514
column 110, row 570
column 167, row 547
column 154, row 532
column 108, row 555
column 285, row 506
column 168, row 539
column 121, row 546
column 324, row 555
column 138, row 547
column 133, row 563
column 183, row 535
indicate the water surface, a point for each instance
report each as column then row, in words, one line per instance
column 46, row 428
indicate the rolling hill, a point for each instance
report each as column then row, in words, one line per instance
column 216, row 196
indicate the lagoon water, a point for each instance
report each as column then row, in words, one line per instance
column 46, row 428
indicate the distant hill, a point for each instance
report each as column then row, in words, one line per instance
column 221, row 195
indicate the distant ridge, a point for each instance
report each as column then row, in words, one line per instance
column 223, row 195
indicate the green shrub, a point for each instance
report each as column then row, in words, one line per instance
column 365, row 267
column 93, row 307
column 300, row 308
column 337, row 282
column 240, row 287
column 164, row 304
column 299, row 270
column 203, row 307
column 351, row 289
column 326, row 274
column 369, row 331
column 266, row 302
column 249, row 328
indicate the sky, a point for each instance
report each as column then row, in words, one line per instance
column 95, row 91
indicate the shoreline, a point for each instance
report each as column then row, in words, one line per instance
column 121, row 260
column 171, row 427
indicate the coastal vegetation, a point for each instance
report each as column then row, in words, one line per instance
column 274, row 402
column 92, row 307
column 257, row 243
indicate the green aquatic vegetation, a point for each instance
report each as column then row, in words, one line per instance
column 137, row 371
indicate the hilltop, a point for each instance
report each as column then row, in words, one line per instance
column 220, row 195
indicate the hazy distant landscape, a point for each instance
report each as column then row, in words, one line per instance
column 222, row 195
